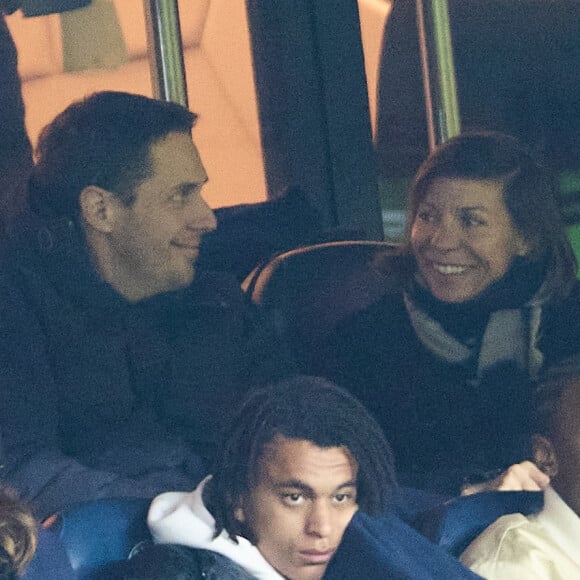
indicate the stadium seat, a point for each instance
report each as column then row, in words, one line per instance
column 102, row 531
column 309, row 290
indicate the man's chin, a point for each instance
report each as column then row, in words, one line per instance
column 181, row 281
column 314, row 572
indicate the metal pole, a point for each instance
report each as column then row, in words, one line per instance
column 165, row 51
column 438, row 70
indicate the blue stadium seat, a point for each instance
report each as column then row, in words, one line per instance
column 102, row 531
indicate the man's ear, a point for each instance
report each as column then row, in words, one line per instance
column 97, row 207
column 239, row 513
column 544, row 455
column 523, row 247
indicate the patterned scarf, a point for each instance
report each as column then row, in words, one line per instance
column 502, row 325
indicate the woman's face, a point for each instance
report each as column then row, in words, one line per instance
column 463, row 238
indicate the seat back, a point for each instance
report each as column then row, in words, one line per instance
column 309, row 290
column 102, row 531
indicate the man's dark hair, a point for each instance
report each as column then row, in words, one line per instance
column 552, row 384
column 102, row 140
column 524, row 408
column 301, row 407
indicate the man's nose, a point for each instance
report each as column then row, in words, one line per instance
column 319, row 522
column 201, row 216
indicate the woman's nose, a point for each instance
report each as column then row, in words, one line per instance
column 446, row 235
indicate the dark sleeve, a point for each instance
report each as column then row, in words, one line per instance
column 454, row 524
column 33, row 461
column 386, row 547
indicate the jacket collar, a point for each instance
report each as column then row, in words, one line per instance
column 57, row 249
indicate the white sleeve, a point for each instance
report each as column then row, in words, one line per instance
column 514, row 547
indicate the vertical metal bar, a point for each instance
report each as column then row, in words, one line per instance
column 438, row 69
column 424, row 51
column 165, row 51
column 446, row 69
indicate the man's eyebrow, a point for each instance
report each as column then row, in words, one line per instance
column 474, row 208
column 297, row 484
column 351, row 483
column 190, row 186
column 293, row 483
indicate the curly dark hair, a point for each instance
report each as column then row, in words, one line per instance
column 18, row 534
column 302, row 407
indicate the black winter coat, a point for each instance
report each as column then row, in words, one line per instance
column 103, row 398
column 446, row 428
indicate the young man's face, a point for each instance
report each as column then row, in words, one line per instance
column 154, row 244
column 300, row 506
column 566, row 440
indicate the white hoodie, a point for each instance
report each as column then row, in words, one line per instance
column 182, row 518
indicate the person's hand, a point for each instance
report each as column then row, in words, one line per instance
column 525, row 476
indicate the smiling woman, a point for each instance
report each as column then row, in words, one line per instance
column 446, row 359
column 463, row 238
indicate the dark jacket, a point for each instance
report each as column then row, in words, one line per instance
column 372, row 547
column 445, row 426
column 103, row 398
column 171, row 562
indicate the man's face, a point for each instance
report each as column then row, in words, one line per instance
column 565, row 438
column 299, row 507
column 154, row 243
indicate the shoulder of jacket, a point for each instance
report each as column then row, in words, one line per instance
column 215, row 566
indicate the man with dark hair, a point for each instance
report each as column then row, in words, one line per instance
column 544, row 544
column 120, row 360
column 527, row 523
column 301, row 458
